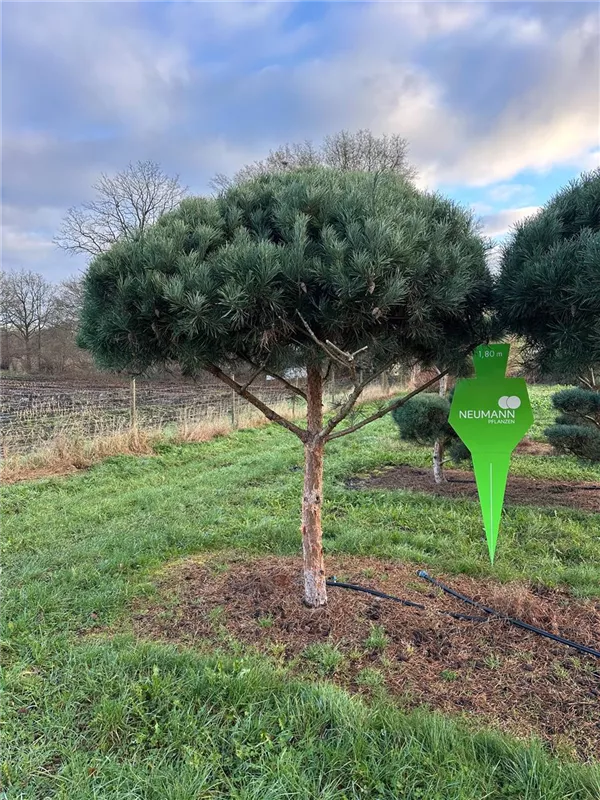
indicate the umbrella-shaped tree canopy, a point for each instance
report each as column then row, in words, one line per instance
column 303, row 269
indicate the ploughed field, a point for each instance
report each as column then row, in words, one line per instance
column 34, row 412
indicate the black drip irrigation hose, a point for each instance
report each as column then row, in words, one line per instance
column 582, row 648
column 356, row 588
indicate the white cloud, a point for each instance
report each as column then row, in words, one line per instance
column 106, row 66
column 117, row 72
column 520, row 29
column 481, row 208
column 589, row 161
column 27, row 239
column 500, row 223
column 553, row 121
column 23, row 245
column 234, row 25
column 224, row 18
column 508, row 191
column 432, row 19
column 493, row 258
column 36, row 219
column 425, row 20
column 42, row 170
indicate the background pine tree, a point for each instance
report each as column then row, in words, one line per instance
column 549, row 285
column 577, row 428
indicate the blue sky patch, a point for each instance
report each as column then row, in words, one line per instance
column 499, row 101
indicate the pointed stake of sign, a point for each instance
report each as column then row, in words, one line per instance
column 491, row 473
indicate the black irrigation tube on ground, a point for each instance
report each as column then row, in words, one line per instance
column 356, row 588
column 582, row 648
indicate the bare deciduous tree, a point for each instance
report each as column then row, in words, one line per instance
column 126, row 204
column 26, row 308
column 360, row 151
column 68, row 303
column 5, row 351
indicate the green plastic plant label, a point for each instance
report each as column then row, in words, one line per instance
column 491, row 413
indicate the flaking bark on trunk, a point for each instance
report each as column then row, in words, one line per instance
column 438, row 459
column 438, row 446
column 315, row 590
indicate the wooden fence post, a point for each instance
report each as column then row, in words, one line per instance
column 332, row 385
column 385, row 384
column 133, row 408
column 233, row 409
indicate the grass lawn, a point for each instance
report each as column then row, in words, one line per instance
column 95, row 716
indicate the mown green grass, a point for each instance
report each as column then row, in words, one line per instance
column 115, row 718
column 126, row 720
column 544, row 414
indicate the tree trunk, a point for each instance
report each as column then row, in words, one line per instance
column 438, row 446
column 6, row 353
column 315, row 590
column 438, row 459
column 443, row 385
column 39, row 349
column 27, row 355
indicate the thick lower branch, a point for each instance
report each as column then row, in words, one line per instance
column 386, row 409
column 268, row 412
column 287, row 384
column 349, row 404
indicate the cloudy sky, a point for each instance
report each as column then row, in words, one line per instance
column 500, row 101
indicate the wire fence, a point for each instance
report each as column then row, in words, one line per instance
column 34, row 413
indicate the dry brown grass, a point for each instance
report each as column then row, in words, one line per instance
column 66, row 454
column 375, row 392
column 71, row 451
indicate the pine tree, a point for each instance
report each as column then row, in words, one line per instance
column 577, row 428
column 315, row 268
column 424, row 420
column 549, row 285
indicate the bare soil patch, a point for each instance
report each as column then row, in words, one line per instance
column 531, row 447
column 491, row 672
column 461, row 484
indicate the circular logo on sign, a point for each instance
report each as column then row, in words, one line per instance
column 509, row 401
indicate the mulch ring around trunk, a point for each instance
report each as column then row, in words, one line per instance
column 519, row 491
column 490, row 671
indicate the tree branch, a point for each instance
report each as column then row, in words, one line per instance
column 386, row 410
column 586, row 382
column 397, row 403
column 268, row 412
column 591, row 419
column 321, row 344
column 349, row 357
column 290, row 386
column 347, row 406
column 253, row 376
